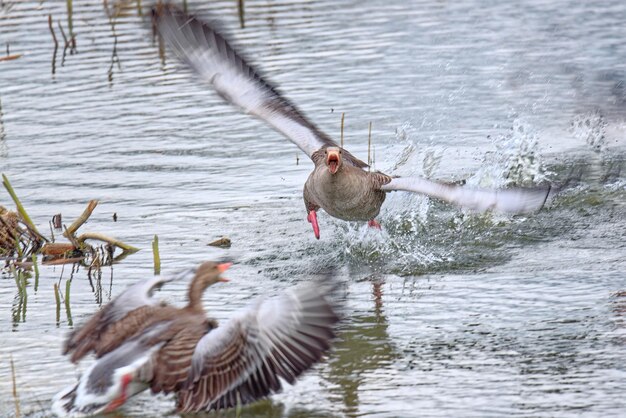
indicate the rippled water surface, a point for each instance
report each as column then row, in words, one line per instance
column 449, row 313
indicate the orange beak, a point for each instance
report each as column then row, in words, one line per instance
column 332, row 161
column 222, row 268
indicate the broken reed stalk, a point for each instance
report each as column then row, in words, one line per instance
column 109, row 240
column 343, row 115
column 185, row 6
column 369, row 146
column 139, row 11
column 20, row 208
column 58, row 301
column 240, row 9
column 71, row 230
column 15, row 397
column 24, row 295
column 156, row 256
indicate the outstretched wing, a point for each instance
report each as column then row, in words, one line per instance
column 87, row 337
column 217, row 63
column 243, row 360
column 512, row 200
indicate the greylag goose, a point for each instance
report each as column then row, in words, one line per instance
column 208, row 367
column 340, row 183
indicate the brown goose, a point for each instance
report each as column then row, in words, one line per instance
column 182, row 351
column 339, row 183
column 136, row 309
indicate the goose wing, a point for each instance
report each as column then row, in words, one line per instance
column 511, row 200
column 137, row 297
column 243, row 360
column 217, row 63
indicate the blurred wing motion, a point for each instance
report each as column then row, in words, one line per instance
column 513, row 200
column 217, row 63
column 101, row 384
column 242, row 361
column 87, row 337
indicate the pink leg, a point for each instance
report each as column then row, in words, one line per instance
column 373, row 224
column 313, row 219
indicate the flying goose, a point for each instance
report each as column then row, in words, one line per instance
column 340, row 183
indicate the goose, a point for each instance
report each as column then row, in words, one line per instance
column 140, row 343
column 340, row 184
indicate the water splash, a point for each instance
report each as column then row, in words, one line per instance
column 422, row 235
column 515, row 161
column 590, row 127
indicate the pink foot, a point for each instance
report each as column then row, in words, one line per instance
column 313, row 219
column 373, row 224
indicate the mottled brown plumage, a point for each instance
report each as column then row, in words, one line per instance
column 208, row 367
column 113, row 325
column 350, row 193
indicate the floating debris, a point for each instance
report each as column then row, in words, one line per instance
column 223, row 242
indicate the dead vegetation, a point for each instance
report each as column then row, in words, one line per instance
column 20, row 240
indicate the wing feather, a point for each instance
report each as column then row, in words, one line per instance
column 85, row 338
column 512, row 200
column 217, row 63
column 244, row 359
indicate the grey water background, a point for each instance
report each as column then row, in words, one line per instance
column 448, row 313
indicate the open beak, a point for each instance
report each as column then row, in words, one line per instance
column 222, row 268
column 332, row 161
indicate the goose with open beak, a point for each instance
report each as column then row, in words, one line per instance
column 340, row 183
column 142, row 344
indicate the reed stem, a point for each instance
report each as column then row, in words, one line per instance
column 81, row 219
column 68, row 309
column 58, row 302
column 20, row 208
column 343, row 115
column 15, row 397
column 240, row 9
column 36, row 270
column 156, row 256
column 369, row 146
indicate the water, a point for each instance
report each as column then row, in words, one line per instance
column 450, row 313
